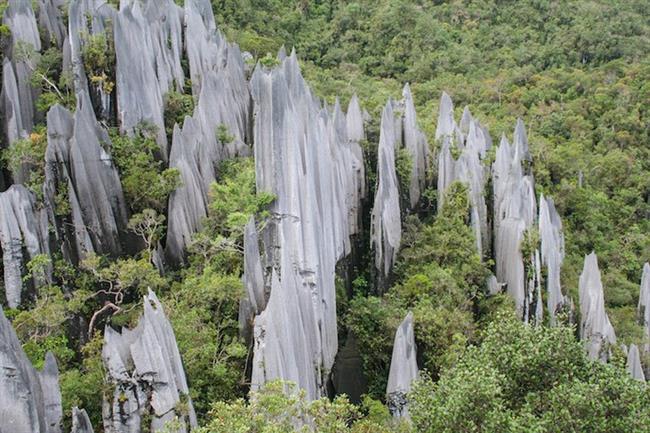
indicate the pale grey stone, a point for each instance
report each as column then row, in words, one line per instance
column 386, row 229
column 145, row 368
column 403, row 368
column 50, row 18
column 416, row 144
column 644, row 304
column 302, row 157
column 23, row 236
column 634, row 366
column 552, row 249
column 80, row 421
column 595, row 328
column 30, row 401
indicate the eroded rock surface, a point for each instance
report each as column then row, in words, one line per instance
column 403, row 368
column 23, row 236
column 303, row 157
column 30, row 401
column 595, row 328
column 145, row 368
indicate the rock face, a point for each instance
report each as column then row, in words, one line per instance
column 386, row 229
column 403, row 368
column 148, row 48
column 416, row 144
column 17, row 93
column 595, row 328
column 30, row 401
column 634, row 366
column 217, row 130
column 80, row 421
column 77, row 165
column 89, row 18
column 255, row 296
column 471, row 142
column 644, row 304
column 145, row 369
column 303, row 157
column 552, row 249
column 515, row 212
column 23, row 236
column 356, row 134
column 50, row 18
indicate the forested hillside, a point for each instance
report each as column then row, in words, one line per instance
column 325, row 216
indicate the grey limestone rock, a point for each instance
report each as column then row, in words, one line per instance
column 471, row 142
column 595, row 328
column 416, row 144
column 634, row 366
column 50, row 18
column 386, row 229
column 217, row 130
column 23, row 236
column 77, row 162
column 145, row 368
column 255, row 297
column 303, row 157
column 552, row 249
column 80, row 421
column 515, row 212
column 30, row 401
column 403, row 368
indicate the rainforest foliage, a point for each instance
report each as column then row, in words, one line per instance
column 577, row 72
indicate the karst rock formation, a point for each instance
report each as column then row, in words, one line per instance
column 311, row 156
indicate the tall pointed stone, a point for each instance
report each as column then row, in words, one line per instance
column 595, row 328
column 552, row 249
column 403, row 368
column 23, row 236
column 30, row 401
column 633, row 365
column 386, row 229
column 145, row 368
column 416, row 144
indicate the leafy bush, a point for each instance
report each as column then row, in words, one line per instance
column 525, row 378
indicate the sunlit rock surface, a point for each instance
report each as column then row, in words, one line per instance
column 302, row 156
column 403, row 368
column 386, row 229
column 595, row 328
column 23, row 236
column 144, row 367
column 30, row 401
column 86, row 19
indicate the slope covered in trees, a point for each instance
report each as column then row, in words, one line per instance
column 347, row 226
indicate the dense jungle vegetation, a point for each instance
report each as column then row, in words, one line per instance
column 577, row 72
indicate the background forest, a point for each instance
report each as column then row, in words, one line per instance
column 578, row 74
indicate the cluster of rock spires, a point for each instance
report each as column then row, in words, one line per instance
column 307, row 154
column 313, row 216
column 144, row 370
